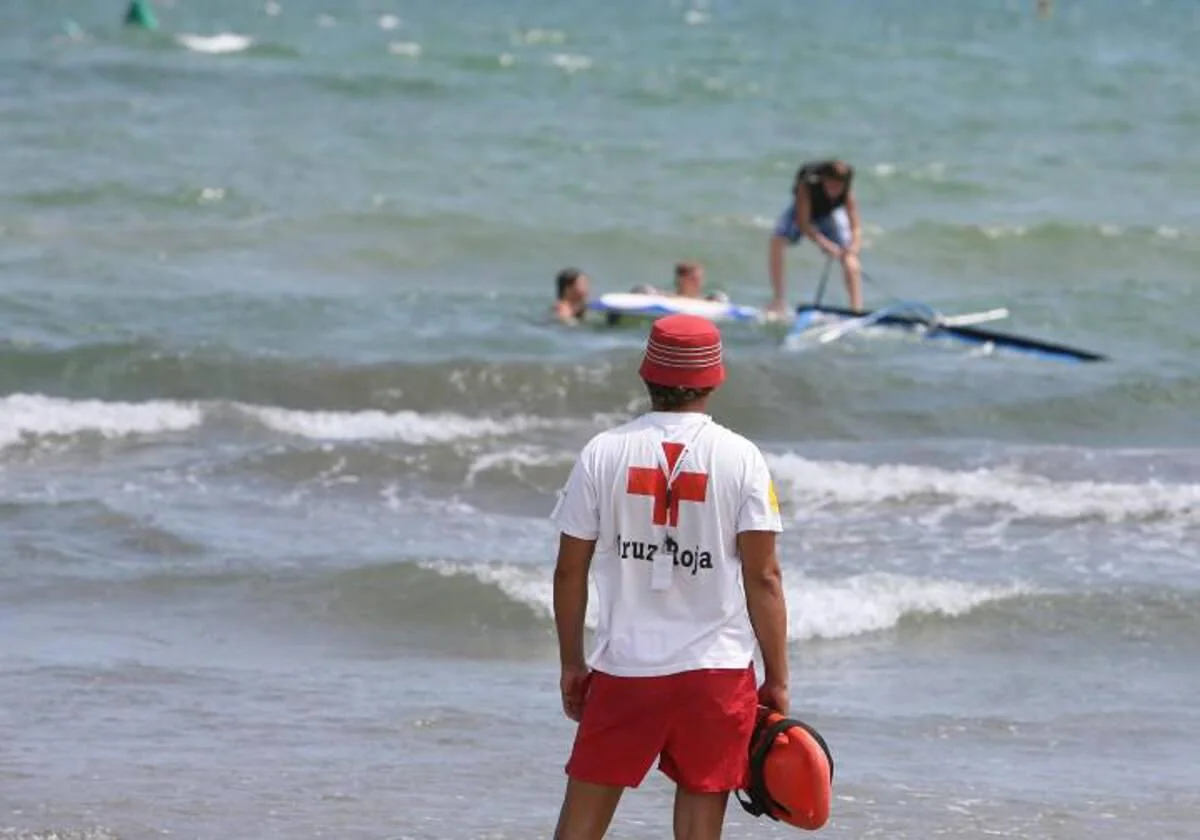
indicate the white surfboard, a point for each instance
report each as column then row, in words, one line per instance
column 636, row 305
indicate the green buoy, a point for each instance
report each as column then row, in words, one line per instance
column 141, row 15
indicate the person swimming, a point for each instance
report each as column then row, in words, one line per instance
column 571, row 287
column 689, row 283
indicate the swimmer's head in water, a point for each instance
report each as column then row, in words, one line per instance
column 571, row 284
column 689, row 278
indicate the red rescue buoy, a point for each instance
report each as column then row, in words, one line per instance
column 791, row 772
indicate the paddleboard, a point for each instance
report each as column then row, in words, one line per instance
column 635, row 305
column 823, row 322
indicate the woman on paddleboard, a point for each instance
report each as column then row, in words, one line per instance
column 823, row 208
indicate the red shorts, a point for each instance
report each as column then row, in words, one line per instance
column 698, row 724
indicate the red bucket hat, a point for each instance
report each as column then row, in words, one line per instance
column 683, row 351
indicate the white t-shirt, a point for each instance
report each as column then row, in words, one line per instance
column 666, row 567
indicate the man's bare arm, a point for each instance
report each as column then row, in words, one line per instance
column 571, row 597
column 764, row 599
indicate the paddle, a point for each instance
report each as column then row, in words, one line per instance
column 824, row 280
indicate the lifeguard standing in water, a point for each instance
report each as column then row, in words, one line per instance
column 675, row 517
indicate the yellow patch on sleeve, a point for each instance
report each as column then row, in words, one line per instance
column 772, row 497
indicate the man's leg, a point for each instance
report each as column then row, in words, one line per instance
column 699, row 816
column 708, row 752
column 785, row 234
column 587, row 810
column 622, row 731
column 778, row 246
column 852, row 275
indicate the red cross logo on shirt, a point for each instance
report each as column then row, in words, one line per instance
column 652, row 481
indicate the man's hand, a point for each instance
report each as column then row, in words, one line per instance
column 775, row 696
column 574, row 685
column 833, row 250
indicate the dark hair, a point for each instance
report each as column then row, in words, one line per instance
column 837, row 170
column 565, row 279
column 683, row 269
column 669, row 398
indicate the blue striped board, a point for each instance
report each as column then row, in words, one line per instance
column 636, row 305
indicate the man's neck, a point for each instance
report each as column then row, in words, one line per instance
column 693, row 407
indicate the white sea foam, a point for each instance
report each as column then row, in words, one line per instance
column 869, row 603
column 406, row 426
column 571, row 63
column 411, row 49
column 26, row 416
column 935, row 171
column 225, row 42
column 540, row 36
column 32, row 416
column 812, row 485
column 818, row 609
column 1003, row 231
column 515, row 461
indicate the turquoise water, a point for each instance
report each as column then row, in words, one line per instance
column 281, row 416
